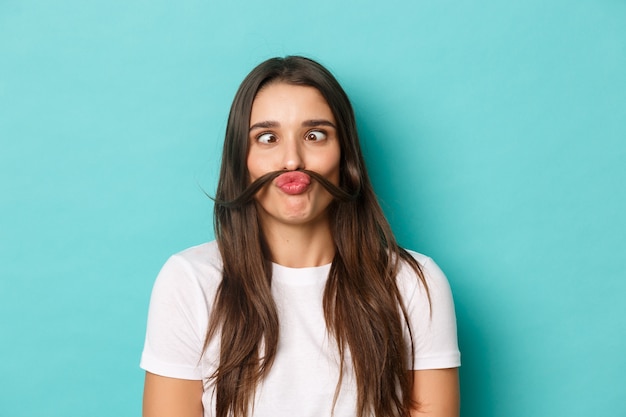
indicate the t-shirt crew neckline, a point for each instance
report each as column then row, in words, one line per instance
column 300, row 276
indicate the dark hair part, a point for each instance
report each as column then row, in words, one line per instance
column 363, row 308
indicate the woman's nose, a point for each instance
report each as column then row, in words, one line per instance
column 292, row 157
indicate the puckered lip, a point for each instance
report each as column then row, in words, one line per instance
column 292, row 177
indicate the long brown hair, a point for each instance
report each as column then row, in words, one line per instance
column 362, row 305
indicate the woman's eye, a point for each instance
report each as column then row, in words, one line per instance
column 315, row 136
column 266, row 138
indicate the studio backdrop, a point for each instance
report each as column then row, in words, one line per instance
column 495, row 134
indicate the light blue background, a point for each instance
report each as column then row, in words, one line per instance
column 495, row 133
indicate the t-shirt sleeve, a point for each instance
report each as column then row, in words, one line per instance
column 433, row 325
column 177, row 323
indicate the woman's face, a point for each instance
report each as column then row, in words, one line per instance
column 292, row 127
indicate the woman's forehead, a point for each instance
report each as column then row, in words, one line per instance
column 283, row 102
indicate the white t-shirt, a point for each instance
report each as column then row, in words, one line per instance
column 303, row 378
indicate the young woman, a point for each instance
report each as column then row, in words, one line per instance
column 304, row 305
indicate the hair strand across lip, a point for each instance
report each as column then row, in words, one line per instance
column 248, row 194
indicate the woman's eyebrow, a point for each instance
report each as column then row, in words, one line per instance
column 264, row 125
column 318, row 122
column 307, row 123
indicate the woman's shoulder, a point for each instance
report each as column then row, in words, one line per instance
column 434, row 277
column 419, row 257
column 204, row 254
column 427, row 265
column 199, row 265
column 431, row 314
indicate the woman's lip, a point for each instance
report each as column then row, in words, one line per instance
column 293, row 182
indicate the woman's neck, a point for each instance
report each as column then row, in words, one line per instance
column 300, row 246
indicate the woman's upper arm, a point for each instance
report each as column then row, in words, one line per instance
column 171, row 397
column 436, row 392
